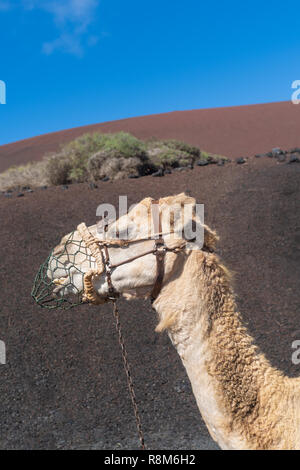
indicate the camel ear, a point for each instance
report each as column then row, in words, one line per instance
column 187, row 219
column 200, row 234
column 210, row 239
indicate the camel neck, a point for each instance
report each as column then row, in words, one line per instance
column 232, row 382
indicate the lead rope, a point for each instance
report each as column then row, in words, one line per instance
column 128, row 374
column 103, row 263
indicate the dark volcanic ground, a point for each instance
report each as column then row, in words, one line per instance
column 64, row 386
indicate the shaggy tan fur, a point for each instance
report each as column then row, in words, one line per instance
column 259, row 405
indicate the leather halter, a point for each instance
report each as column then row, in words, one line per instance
column 160, row 251
column 99, row 250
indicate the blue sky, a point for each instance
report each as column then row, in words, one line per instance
column 69, row 63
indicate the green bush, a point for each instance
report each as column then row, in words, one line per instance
column 193, row 152
column 172, row 153
column 92, row 157
column 58, row 168
column 112, row 164
column 76, row 163
column 170, row 159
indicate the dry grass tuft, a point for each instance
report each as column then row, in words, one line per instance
column 31, row 175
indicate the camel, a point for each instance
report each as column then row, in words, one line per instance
column 245, row 402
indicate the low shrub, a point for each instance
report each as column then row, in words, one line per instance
column 88, row 157
column 93, row 157
column 32, row 174
column 58, row 167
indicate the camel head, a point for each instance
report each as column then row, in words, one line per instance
column 130, row 250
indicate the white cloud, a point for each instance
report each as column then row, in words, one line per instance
column 5, row 5
column 79, row 12
column 66, row 43
column 72, row 19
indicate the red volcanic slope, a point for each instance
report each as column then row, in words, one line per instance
column 233, row 131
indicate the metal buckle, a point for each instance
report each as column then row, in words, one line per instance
column 160, row 250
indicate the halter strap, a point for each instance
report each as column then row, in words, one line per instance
column 160, row 250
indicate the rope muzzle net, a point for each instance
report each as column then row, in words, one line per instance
column 58, row 283
column 51, row 292
column 65, row 279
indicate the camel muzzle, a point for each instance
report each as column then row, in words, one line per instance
column 59, row 280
